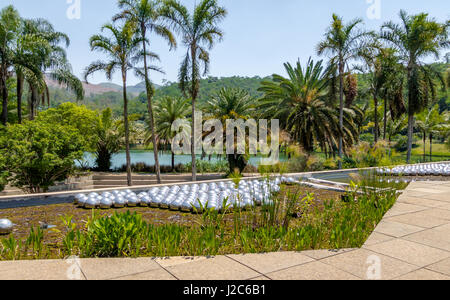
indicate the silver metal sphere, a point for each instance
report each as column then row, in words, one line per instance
column 91, row 203
column 6, row 226
column 119, row 202
column 106, row 203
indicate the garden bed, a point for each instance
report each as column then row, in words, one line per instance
column 315, row 219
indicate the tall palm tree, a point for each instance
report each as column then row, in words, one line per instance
column 167, row 111
column 9, row 28
column 197, row 30
column 343, row 43
column 415, row 38
column 146, row 14
column 231, row 104
column 122, row 47
column 300, row 102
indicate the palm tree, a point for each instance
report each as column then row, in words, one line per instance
column 231, row 104
column 343, row 43
column 122, row 48
column 197, row 31
column 415, row 38
column 381, row 66
column 167, row 111
column 110, row 139
column 301, row 103
column 52, row 64
column 430, row 123
column 395, row 126
column 9, row 32
column 146, row 14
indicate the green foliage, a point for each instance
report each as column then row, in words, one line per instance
column 39, row 153
column 117, row 235
column 110, row 139
column 79, row 117
column 364, row 155
column 204, row 166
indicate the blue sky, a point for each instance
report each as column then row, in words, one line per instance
column 260, row 35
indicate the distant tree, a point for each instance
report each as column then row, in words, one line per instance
column 110, row 139
column 383, row 68
column 167, row 111
column 231, row 104
column 430, row 123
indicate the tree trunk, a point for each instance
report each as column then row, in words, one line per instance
column 33, row 102
column 20, row 80
column 375, row 102
column 424, row 146
column 4, row 92
column 385, row 119
column 410, row 136
column 341, row 111
column 410, row 116
column 194, row 97
column 150, row 112
column 431, row 147
column 127, row 129
column 173, row 161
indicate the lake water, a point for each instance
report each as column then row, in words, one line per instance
column 165, row 159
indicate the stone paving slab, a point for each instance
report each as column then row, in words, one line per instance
column 411, row 242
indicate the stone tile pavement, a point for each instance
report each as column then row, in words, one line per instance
column 411, row 242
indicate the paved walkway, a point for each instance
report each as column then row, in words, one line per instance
column 411, row 242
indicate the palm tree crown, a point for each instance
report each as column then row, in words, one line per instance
column 300, row 102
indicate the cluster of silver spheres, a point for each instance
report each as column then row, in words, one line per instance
column 190, row 196
column 6, row 226
column 433, row 169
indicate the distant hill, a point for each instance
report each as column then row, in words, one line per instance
column 104, row 95
column 105, row 87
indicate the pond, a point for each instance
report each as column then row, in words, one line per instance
column 165, row 159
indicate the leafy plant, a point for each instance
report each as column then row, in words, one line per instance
column 40, row 153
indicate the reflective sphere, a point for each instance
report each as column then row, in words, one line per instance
column 6, row 226
column 106, row 203
column 119, row 202
column 91, row 203
column 133, row 201
column 145, row 201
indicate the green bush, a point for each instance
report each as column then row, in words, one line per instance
column 39, row 153
column 117, row 235
column 364, row 155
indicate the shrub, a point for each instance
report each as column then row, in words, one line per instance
column 117, row 235
column 363, row 155
column 38, row 154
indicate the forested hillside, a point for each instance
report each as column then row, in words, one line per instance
column 208, row 87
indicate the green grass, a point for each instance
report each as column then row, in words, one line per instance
column 438, row 149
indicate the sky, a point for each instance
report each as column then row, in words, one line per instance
column 260, row 35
